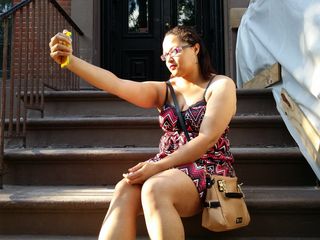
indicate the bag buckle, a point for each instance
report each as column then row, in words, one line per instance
column 222, row 185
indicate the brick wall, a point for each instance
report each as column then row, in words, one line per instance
column 66, row 4
column 37, row 30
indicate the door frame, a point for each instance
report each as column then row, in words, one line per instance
column 103, row 25
column 97, row 33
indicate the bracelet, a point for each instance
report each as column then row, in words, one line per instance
column 66, row 62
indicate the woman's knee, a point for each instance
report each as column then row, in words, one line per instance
column 124, row 190
column 162, row 185
column 154, row 192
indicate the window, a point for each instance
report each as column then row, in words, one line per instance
column 186, row 14
column 138, row 16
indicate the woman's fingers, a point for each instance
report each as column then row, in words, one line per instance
column 133, row 175
column 136, row 167
column 135, row 178
column 60, row 38
column 136, row 174
column 58, row 54
column 60, row 47
column 142, row 172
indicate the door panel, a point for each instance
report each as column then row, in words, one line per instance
column 138, row 64
column 137, row 45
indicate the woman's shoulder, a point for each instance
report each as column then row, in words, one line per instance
column 220, row 83
column 222, row 79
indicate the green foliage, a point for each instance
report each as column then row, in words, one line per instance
column 186, row 12
column 5, row 5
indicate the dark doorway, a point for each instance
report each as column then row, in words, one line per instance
column 133, row 30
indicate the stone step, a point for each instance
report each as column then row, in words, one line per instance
column 88, row 104
column 245, row 131
column 99, row 103
column 289, row 212
column 46, row 237
column 104, row 166
column 256, row 102
column 43, row 237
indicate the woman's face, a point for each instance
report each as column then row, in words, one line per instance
column 181, row 58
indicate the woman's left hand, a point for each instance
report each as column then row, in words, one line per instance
column 141, row 172
column 60, row 47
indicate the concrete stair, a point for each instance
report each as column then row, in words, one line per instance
column 144, row 132
column 46, row 237
column 117, row 123
column 60, row 185
column 43, row 166
column 79, row 210
column 80, row 104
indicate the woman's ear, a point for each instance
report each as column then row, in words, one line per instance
column 196, row 48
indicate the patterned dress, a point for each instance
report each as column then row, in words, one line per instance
column 217, row 159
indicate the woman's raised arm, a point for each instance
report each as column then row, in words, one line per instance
column 146, row 94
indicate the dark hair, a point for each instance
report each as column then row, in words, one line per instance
column 190, row 36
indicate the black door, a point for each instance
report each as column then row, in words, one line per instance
column 133, row 30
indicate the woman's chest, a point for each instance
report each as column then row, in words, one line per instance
column 193, row 116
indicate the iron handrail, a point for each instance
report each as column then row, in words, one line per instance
column 33, row 23
column 23, row 3
column 66, row 16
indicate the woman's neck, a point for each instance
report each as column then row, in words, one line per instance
column 190, row 80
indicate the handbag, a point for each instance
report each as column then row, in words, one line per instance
column 224, row 207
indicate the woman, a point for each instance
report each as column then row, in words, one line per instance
column 172, row 184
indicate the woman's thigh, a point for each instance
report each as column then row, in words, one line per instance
column 177, row 187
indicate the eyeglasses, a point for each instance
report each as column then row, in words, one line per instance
column 173, row 52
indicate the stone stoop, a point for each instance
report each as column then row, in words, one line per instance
column 43, row 237
column 60, row 185
column 144, row 132
column 105, row 166
column 99, row 103
column 79, row 210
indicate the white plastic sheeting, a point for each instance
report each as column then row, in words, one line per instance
column 287, row 32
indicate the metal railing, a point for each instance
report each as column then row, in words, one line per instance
column 32, row 72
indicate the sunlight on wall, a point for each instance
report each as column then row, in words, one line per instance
column 310, row 47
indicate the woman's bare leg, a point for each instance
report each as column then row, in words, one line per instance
column 166, row 197
column 120, row 221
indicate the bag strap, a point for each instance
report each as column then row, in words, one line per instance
column 181, row 119
column 234, row 195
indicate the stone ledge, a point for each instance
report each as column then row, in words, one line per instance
column 257, row 198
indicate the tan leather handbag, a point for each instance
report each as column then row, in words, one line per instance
column 224, row 207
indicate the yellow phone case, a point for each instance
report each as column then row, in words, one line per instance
column 67, row 59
